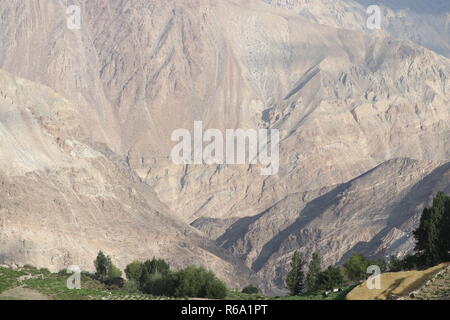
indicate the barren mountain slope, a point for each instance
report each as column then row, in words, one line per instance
column 345, row 102
column 426, row 23
column 373, row 214
column 162, row 65
column 63, row 199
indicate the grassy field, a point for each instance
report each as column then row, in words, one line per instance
column 17, row 285
column 235, row 295
column 320, row 296
column 32, row 283
column 399, row 284
column 8, row 279
column 54, row 287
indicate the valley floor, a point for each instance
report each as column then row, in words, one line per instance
column 29, row 283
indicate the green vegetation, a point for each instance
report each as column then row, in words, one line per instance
column 250, row 290
column 332, row 283
column 8, row 278
column 295, row 280
column 433, row 235
column 330, row 278
column 106, row 271
column 312, row 278
column 432, row 238
column 198, row 282
column 340, row 295
column 133, row 271
column 154, row 277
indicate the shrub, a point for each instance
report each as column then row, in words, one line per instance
column 131, row 286
column 355, row 268
column 330, row 278
column 62, row 272
column 200, row 283
column 44, row 270
column 159, row 284
column 115, row 272
column 115, row 283
column 250, row 290
column 106, row 272
column 155, row 277
column 133, row 271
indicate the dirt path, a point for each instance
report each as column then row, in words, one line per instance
column 21, row 293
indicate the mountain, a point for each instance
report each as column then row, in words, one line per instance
column 363, row 116
column 64, row 198
column 426, row 23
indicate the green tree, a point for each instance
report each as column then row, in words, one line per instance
column 103, row 267
column 133, row 271
column 250, row 290
column 330, row 278
column 433, row 234
column 313, row 273
column 355, row 268
column 159, row 284
column 395, row 264
column 105, row 270
column 156, row 278
column 200, row 283
column 156, row 266
column 115, row 272
column 295, row 280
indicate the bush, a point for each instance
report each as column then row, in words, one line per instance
column 106, row 272
column 355, row 268
column 156, row 266
column 250, row 290
column 330, row 278
column 159, row 284
column 44, row 270
column 29, row 267
column 155, row 277
column 133, row 271
column 115, row 283
column 199, row 283
column 62, row 272
column 115, row 272
column 131, row 286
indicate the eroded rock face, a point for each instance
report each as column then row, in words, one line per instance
column 345, row 100
column 64, row 198
column 424, row 23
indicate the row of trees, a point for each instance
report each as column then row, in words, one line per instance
column 155, row 277
column 432, row 238
column 433, row 235
column 432, row 247
column 354, row 270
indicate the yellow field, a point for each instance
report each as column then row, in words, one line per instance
column 395, row 283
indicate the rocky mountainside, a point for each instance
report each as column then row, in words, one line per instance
column 63, row 198
column 426, row 23
column 363, row 116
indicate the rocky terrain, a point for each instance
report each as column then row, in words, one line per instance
column 363, row 115
column 64, row 198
